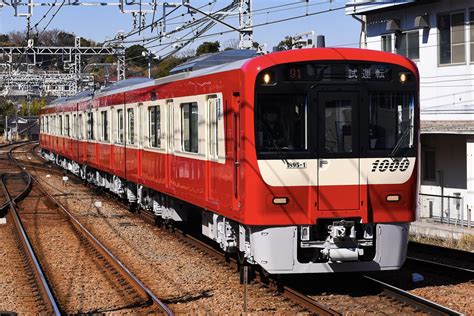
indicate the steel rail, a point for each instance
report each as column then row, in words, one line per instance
column 118, row 265
column 416, row 301
column 438, row 265
column 42, row 283
column 450, row 253
column 290, row 293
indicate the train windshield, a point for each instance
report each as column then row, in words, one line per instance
column 282, row 123
column 391, row 119
column 335, row 110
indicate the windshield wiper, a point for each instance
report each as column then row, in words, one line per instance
column 274, row 143
column 400, row 141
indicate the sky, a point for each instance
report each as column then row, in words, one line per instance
column 102, row 23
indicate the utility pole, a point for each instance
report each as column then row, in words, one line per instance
column 16, row 122
column 6, row 127
column 28, row 103
column 148, row 54
column 246, row 24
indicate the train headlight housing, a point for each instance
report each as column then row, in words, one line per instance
column 268, row 78
column 304, row 233
column 403, row 77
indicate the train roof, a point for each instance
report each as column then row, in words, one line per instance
column 79, row 96
column 126, row 83
column 221, row 62
column 210, row 60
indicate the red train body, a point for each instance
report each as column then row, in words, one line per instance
column 300, row 161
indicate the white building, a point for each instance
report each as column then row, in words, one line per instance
column 439, row 36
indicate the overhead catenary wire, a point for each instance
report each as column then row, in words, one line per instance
column 52, row 17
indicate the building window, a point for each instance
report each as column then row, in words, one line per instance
column 408, row 44
column 214, row 117
column 155, row 126
column 387, row 43
column 429, row 165
column 105, row 126
column 131, row 126
column 451, row 38
column 189, row 127
column 90, row 125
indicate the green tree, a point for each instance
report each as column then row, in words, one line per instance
column 164, row 67
column 133, row 56
column 7, row 107
column 285, row 44
column 4, row 38
column 208, row 47
column 34, row 108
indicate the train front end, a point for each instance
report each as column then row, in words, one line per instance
column 335, row 143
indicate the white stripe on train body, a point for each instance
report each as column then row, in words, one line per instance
column 341, row 171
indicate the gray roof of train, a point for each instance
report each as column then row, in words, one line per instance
column 214, row 63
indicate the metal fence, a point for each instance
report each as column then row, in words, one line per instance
column 444, row 209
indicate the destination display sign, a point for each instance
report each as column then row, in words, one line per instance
column 344, row 72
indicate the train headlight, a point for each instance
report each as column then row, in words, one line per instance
column 403, row 77
column 268, row 78
column 304, row 233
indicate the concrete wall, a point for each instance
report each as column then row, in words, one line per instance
column 453, row 156
column 470, row 175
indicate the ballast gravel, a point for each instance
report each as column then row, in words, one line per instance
column 184, row 278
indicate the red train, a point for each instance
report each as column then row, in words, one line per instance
column 301, row 161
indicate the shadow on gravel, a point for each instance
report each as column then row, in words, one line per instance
column 352, row 284
column 188, row 298
column 404, row 278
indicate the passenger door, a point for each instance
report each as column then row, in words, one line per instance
column 338, row 150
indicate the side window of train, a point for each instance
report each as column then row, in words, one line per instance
column 214, row 107
column 131, row 126
column 105, row 126
column 120, row 124
column 74, row 125
column 170, row 134
column 79, row 126
column 189, row 127
column 90, row 125
column 67, row 127
column 60, row 125
column 154, row 130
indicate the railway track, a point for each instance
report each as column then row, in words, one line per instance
column 42, row 300
column 405, row 297
column 402, row 300
column 441, row 255
column 84, row 276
